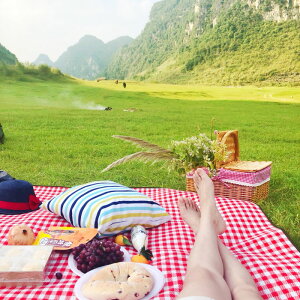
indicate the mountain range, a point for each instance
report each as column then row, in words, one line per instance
column 215, row 42
column 86, row 59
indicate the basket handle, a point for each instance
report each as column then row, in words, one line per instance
column 227, row 134
column 232, row 133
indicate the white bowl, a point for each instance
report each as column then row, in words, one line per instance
column 158, row 277
column 73, row 265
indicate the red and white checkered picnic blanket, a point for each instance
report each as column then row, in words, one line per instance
column 271, row 259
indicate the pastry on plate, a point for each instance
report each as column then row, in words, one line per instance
column 122, row 281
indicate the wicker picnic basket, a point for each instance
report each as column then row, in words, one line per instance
column 244, row 180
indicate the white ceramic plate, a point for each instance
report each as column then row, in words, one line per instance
column 158, row 276
column 73, row 265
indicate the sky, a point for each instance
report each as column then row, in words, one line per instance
column 31, row 27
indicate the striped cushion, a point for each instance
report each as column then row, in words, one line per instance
column 108, row 206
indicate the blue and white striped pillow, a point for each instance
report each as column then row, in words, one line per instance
column 108, row 206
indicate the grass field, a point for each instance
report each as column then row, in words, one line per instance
column 54, row 135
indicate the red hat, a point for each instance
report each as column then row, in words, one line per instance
column 17, row 197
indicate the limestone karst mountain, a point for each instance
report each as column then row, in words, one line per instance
column 43, row 59
column 216, row 42
column 89, row 57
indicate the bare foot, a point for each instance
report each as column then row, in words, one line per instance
column 205, row 189
column 191, row 214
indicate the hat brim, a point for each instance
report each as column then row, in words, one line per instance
column 16, row 212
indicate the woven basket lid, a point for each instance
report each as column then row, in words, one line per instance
column 247, row 166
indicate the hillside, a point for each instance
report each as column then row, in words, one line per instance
column 89, row 57
column 233, row 42
column 7, row 57
column 43, row 59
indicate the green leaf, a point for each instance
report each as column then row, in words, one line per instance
column 146, row 253
column 126, row 241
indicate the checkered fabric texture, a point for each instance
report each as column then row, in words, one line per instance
column 250, row 178
column 264, row 250
column 243, row 178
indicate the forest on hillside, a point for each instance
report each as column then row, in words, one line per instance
column 213, row 42
column 6, row 57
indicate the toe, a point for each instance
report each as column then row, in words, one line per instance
column 196, row 207
column 188, row 203
column 197, row 175
column 202, row 174
column 180, row 202
column 196, row 182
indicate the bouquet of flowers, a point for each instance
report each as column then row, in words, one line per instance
column 181, row 156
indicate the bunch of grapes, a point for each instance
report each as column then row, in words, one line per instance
column 96, row 253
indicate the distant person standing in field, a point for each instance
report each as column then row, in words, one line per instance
column 124, row 84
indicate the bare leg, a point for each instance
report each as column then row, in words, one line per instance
column 238, row 279
column 205, row 272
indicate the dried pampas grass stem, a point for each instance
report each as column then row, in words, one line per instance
column 140, row 143
column 142, row 156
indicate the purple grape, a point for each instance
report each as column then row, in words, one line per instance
column 79, row 261
column 84, row 268
column 87, row 269
column 91, row 264
column 96, row 253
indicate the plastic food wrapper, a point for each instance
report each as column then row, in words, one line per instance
column 65, row 238
column 23, row 265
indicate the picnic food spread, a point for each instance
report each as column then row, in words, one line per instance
column 23, row 262
column 25, row 265
column 123, row 281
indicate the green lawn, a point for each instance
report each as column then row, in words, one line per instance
column 52, row 140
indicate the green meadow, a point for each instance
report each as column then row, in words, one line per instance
column 55, row 135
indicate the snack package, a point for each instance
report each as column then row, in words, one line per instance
column 65, row 238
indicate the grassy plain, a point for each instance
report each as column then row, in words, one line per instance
column 55, row 136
